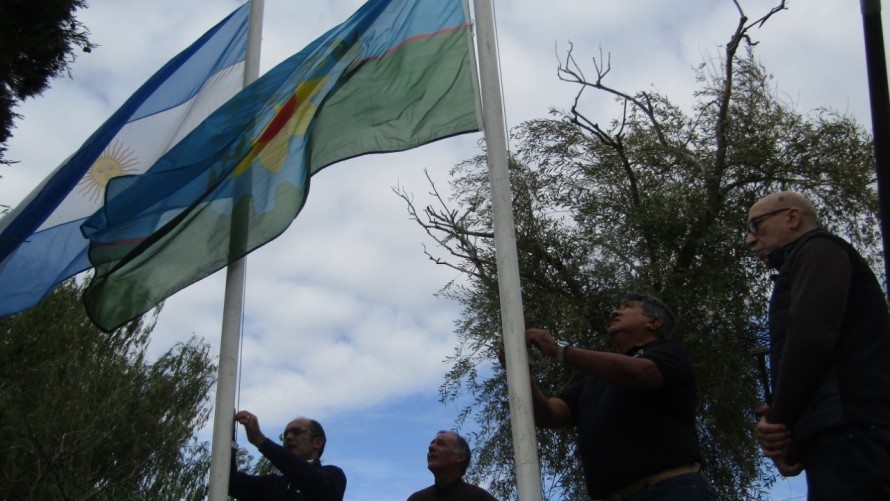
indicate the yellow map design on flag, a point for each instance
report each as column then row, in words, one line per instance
column 293, row 119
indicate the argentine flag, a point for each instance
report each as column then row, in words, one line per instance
column 41, row 243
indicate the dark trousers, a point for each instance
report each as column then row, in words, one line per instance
column 688, row 487
column 851, row 464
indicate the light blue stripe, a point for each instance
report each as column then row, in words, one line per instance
column 227, row 47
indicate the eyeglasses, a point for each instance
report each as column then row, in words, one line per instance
column 754, row 222
column 296, row 431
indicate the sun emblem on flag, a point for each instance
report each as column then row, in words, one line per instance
column 116, row 160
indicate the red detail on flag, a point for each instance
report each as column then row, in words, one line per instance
column 408, row 40
column 127, row 241
column 279, row 120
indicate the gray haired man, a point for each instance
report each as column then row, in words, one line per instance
column 634, row 410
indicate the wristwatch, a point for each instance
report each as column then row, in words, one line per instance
column 561, row 347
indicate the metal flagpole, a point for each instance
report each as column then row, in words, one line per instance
column 525, row 443
column 233, row 308
column 880, row 113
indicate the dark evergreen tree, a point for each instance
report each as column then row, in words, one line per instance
column 38, row 40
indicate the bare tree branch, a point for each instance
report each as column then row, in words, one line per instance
column 449, row 231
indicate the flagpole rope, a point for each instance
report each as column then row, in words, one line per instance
column 240, row 351
column 497, row 49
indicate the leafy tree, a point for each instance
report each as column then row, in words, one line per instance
column 38, row 41
column 654, row 202
column 83, row 414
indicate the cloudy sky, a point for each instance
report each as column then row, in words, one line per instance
column 342, row 320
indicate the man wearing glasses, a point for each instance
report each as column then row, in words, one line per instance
column 634, row 409
column 829, row 355
column 302, row 475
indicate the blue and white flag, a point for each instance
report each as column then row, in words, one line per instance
column 41, row 244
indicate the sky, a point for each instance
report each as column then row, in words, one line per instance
column 342, row 319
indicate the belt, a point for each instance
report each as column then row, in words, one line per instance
column 647, row 482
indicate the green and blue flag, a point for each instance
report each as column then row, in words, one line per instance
column 394, row 76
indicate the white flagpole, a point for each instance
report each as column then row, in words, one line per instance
column 525, row 443
column 233, row 310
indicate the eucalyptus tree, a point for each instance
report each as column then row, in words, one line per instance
column 85, row 414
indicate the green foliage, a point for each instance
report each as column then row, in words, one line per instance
column 656, row 202
column 85, row 415
column 38, row 40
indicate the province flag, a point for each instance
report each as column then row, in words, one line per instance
column 41, row 244
column 393, row 76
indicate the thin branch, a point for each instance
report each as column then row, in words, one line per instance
column 569, row 71
column 444, row 227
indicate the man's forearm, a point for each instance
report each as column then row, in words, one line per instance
column 541, row 407
column 549, row 412
column 630, row 372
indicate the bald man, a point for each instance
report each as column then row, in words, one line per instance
column 829, row 355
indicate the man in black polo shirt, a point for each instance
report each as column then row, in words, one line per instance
column 634, row 410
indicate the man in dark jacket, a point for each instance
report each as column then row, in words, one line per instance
column 829, row 355
column 302, row 477
column 448, row 458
